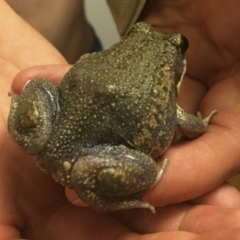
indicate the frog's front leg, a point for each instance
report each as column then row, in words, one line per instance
column 110, row 178
column 190, row 125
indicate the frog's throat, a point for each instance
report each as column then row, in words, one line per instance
column 183, row 74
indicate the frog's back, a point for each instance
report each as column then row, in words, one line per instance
column 124, row 95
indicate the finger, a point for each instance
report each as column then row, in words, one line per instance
column 196, row 167
column 9, row 232
column 226, row 234
column 198, row 219
column 53, row 72
column 202, row 219
column 200, row 165
column 233, row 234
column 190, row 100
column 70, row 222
column 73, row 198
column 143, row 221
column 224, row 196
column 180, row 235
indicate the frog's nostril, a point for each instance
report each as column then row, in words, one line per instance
column 184, row 44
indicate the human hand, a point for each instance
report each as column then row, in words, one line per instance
column 42, row 211
column 211, row 82
column 34, row 207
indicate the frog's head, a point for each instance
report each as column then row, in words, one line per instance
column 32, row 114
column 175, row 48
column 170, row 48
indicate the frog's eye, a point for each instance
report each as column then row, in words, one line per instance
column 184, row 44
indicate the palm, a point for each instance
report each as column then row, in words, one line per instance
column 211, row 83
column 34, row 206
column 30, row 200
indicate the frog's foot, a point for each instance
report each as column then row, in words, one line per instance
column 109, row 178
column 207, row 119
column 192, row 126
column 161, row 170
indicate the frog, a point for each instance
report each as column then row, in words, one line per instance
column 100, row 129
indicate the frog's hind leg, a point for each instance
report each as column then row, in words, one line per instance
column 110, row 178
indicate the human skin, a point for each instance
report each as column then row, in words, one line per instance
column 211, row 82
column 33, row 205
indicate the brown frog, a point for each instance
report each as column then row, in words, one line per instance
column 99, row 129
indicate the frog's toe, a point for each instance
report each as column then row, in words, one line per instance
column 207, row 119
column 161, row 170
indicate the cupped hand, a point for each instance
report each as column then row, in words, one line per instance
column 212, row 81
column 35, row 207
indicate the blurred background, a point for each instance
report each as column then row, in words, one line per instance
column 100, row 17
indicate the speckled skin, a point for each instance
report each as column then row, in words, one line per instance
column 100, row 128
